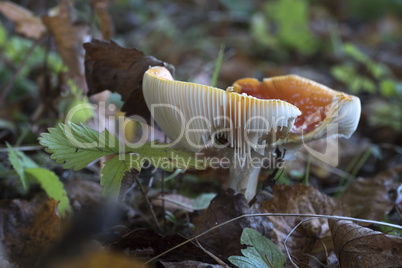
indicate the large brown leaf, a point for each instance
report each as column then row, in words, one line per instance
column 225, row 241
column 373, row 198
column 302, row 199
column 109, row 66
column 358, row 246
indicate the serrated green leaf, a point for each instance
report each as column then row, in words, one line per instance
column 76, row 146
column 20, row 161
column 112, row 175
column 260, row 251
column 53, row 187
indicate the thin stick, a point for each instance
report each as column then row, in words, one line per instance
column 219, row 261
column 148, row 204
column 16, row 73
column 273, row 215
column 286, row 239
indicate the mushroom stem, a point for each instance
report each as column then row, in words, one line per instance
column 244, row 178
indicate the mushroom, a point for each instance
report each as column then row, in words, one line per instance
column 252, row 117
column 323, row 109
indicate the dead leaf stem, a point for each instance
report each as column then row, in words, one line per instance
column 219, row 261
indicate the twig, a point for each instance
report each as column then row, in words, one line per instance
column 148, row 204
column 286, row 239
column 273, row 215
column 325, row 248
column 219, row 261
column 16, row 73
column 317, row 260
column 270, row 264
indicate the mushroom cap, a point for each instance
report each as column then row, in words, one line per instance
column 325, row 112
column 191, row 114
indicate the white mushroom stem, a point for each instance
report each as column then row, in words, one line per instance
column 244, row 178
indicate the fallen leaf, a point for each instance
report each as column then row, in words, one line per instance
column 188, row 264
column 301, row 199
column 373, row 198
column 109, row 66
column 26, row 23
column 105, row 21
column 28, row 229
column 358, row 246
column 147, row 242
column 224, row 241
column 69, row 37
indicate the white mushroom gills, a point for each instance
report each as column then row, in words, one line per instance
column 191, row 113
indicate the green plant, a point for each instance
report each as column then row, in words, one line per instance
column 29, row 171
column 261, row 252
column 376, row 78
column 285, row 23
column 75, row 146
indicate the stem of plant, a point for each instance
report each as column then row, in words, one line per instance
column 148, row 204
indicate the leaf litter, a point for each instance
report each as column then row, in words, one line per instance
column 109, row 66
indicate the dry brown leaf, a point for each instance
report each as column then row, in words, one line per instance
column 109, row 66
column 358, row 246
column 105, row 21
column 225, row 241
column 373, row 198
column 69, row 37
column 147, row 242
column 302, row 199
column 28, row 229
column 26, row 23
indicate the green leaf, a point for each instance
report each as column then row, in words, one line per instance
column 112, row 175
column 244, row 262
column 47, row 179
column 387, row 88
column 20, row 161
column 260, row 251
column 292, row 20
column 53, row 187
column 202, row 201
column 218, row 66
column 76, row 146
